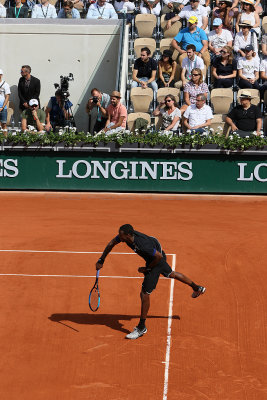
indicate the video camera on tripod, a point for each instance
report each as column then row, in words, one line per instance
column 63, row 86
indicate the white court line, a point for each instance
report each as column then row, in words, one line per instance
column 77, row 276
column 168, row 347
column 66, row 252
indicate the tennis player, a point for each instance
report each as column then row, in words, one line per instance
column 150, row 250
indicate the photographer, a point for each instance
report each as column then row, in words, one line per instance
column 96, row 108
column 57, row 111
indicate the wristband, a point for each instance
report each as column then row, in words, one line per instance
column 100, row 261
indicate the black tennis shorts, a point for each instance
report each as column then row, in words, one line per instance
column 151, row 278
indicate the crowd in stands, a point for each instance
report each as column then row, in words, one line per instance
column 216, row 45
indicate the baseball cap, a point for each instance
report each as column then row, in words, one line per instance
column 217, row 22
column 1, row 72
column 249, row 48
column 193, row 20
column 33, row 102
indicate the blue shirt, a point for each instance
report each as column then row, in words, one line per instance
column 185, row 38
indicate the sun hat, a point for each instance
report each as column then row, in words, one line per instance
column 115, row 94
column 245, row 23
column 252, row 2
column 217, row 22
column 246, row 95
column 33, row 102
column 193, row 20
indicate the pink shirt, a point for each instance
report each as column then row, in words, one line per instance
column 116, row 112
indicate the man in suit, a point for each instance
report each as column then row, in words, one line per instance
column 28, row 88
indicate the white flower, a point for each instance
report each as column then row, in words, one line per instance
column 220, row 128
column 254, row 133
column 248, row 136
column 14, row 133
column 211, row 130
column 188, row 131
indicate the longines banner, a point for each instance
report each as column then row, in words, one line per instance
column 175, row 173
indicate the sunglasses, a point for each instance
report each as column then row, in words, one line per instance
column 195, row 74
column 223, row 52
column 168, row 101
column 34, row 106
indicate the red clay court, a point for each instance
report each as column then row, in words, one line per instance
column 210, row 348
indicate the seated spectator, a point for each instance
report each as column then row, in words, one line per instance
column 2, row 11
column 117, row 114
column 67, row 11
column 248, row 70
column 194, row 9
column 18, row 11
column 264, row 44
column 245, row 118
column 144, row 72
column 192, row 35
column 167, row 69
column 44, row 10
column 189, row 63
column 4, row 98
column 121, row 5
column 57, row 112
column 224, row 68
column 198, row 116
column 219, row 38
column 263, row 76
column 245, row 38
column 97, row 109
column 101, row 10
column 226, row 13
column 33, row 116
column 150, row 7
column 170, row 113
column 193, row 88
column 248, row 13
column 173, row 6
column 28, row 87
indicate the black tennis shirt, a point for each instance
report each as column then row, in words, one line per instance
column 143, row 245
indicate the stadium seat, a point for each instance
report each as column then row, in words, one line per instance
column 144, row 42
column 174, row 29
column 10, row 112
column 162, row 92
column 141, row 99
column 178, row 84
column 254, row 93
column 145, row 24
column 219, row 121
column 165, row 44
column 158, row 122
column 221, row 100
column 133, row 116
column 264, row 24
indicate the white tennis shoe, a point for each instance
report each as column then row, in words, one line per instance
column 196, row 293
column 136, row 333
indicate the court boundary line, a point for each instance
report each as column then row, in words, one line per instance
column 67, row 252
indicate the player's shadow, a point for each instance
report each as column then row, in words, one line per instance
column 113, row 321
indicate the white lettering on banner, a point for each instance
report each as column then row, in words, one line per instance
column 255, row 174
column 7, row 166
column 164, row 170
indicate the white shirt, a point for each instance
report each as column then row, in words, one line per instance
column 4, row 90
column 40, row 11
column 2, row 11
column 248, row 66
column 198, row 116
column 263, row 66
column 105, row 12
column 188, row 12
column 189, row 65
column 219, row 41
column 183, row 2
column 241, row 43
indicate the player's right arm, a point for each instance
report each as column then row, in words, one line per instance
column 107, row 250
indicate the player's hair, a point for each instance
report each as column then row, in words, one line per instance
column 127, row 229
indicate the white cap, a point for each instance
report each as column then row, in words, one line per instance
column 32, row 102
column 1, row 72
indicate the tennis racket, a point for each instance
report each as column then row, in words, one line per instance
column 94, row 296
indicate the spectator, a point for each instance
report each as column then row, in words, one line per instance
column 33, row 116
column 44, row 10
column 97, row 109
column 198, row 116
column 126, row 5
column 18, row 11
column 150, row 7
column 170, row 113
column 68, row 11
column 4, row 98
column 192, row 35
column 263, row 76
column 144, row 72
column 193, row 88
column 248, row 70
column 248, row 13
column 2, row 11
column 167, row 69
column 190, row 62
column 226, row 13
column 245, row 118
column 194, row 9
column 224, row 68
column 28, row 88
column 173, row 6
column 264, row 44
column 101, row 10
column 57, row 112
column 245, row 38
column 219, row 38
column 117, row 114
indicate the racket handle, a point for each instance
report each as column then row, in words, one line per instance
column 97, row 274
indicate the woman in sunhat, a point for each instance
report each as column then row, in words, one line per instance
column 167, row 68
column 248, row 14
column 245, row 38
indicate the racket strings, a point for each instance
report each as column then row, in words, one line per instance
column 94, row 299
